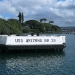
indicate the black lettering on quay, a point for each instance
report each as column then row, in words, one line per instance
column 46, row 40
column 21, row 40
column 33, row 40
column 18, row 40
column 27, row 40
column 53, row 40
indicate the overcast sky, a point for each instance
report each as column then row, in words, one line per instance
column 62, row 12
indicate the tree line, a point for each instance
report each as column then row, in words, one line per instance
column 36, row 26
column 14, row 26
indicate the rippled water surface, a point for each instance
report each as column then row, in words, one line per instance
column 45, row 63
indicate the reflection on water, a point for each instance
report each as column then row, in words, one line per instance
column 31, row 63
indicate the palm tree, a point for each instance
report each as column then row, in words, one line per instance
column 19, row 15
column 22, row 16
column 41, row 20
column 51, row 22
column 44, row 19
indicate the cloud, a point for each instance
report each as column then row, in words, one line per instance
column 1, row 16
column 60, row 11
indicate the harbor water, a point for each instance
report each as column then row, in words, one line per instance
column 41, row 63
